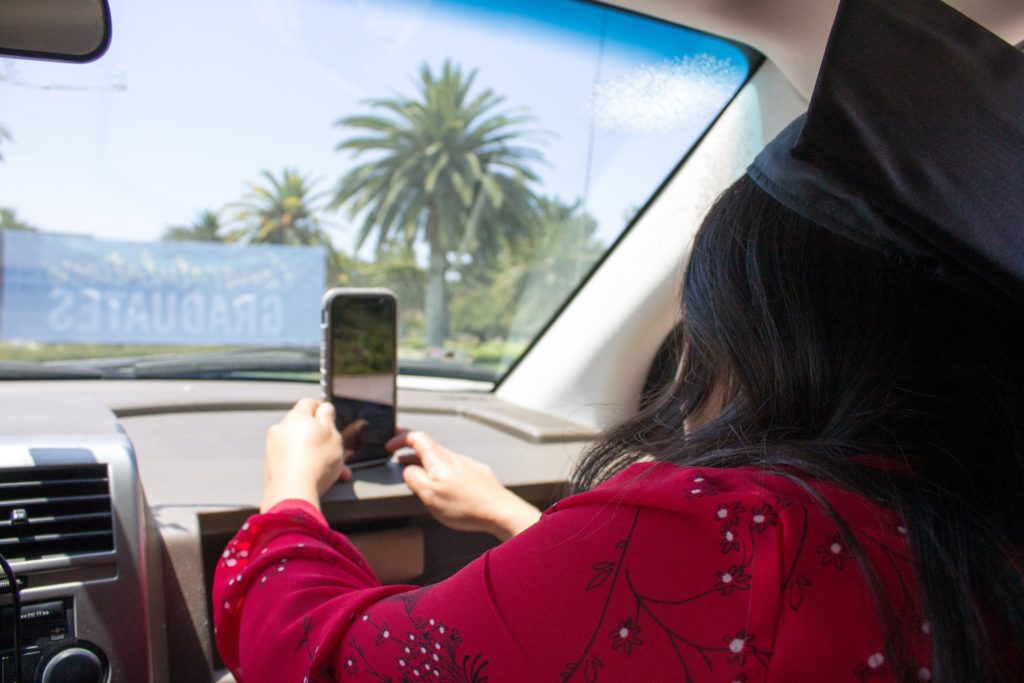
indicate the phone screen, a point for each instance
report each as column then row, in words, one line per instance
column 363, row 373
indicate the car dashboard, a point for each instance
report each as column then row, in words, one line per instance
column 181, row 462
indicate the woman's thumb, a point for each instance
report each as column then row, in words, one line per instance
column 325, row 413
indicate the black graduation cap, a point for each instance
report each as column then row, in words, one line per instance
column 913, row 143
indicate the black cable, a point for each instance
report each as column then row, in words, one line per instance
column 16, row 603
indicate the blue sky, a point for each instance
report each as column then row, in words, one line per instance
column 196, row 98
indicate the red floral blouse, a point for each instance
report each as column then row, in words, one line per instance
column 661, row 573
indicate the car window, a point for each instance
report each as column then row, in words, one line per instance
column 179, row 206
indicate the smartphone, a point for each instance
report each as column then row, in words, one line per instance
column 358, row 364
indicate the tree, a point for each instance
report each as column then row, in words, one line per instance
column 519, row 293
column 4, row 135
column 9, row 221
column 445, row 168
column 284, row 211
column 207, row 227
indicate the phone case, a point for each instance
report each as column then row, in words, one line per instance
column 327, row 324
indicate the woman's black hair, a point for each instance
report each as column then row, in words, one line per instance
column 821, row 351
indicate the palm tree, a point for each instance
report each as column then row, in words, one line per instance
column 445, row 168
column 207, row 227
column 284, row 211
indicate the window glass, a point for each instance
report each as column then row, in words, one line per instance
column 179, row 206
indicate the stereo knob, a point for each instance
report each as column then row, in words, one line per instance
column 74, row 664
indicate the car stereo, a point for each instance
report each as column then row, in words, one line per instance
column 50, row 652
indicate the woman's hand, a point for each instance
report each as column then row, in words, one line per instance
column 460, row 492
column 303, row 457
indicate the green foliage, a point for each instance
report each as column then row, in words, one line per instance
column 207, row 227
column 516, row 294
column 395, row 268
column 446, row 168
column 9, row 221
column 285, row 210
column 4, row 135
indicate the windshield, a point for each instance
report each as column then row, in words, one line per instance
column 180, row 205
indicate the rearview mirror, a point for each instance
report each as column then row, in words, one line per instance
column 62, row 30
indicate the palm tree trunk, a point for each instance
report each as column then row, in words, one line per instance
column 436, row 303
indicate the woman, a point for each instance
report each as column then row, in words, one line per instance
column 828, row 490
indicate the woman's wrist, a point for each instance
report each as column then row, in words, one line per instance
column 512, row 516
column 297, row 489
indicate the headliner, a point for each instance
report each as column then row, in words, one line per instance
column 793, row 33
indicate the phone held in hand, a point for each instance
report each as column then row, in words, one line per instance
column 358, row 365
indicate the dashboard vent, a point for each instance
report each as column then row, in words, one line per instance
column 46, row 511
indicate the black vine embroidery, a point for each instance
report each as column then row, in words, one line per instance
column 307, row 625
column 763, row 517
column 700, row 487
column 895, row 558
column 729, row 514
column 650, row 622
column 833, row 552
column 730, row 539
column 626, row 636
column 735, row 578
column 324, row 672
column 656, row 620
column 795, row 597
column 591, row 665
column 782, row 502
column 424, row 649
column 740, row 645
column 793, row 584
column 602, row 572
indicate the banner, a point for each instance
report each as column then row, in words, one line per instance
column 61, row 288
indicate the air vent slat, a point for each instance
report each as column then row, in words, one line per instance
column 48, row 499
column 6, row 524
column 55, row 510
